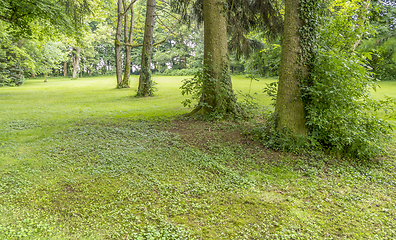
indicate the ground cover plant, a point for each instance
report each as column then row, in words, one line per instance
column 81, row 159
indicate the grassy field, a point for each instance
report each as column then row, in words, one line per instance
column 80, row 159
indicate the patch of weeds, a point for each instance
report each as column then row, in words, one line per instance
column 141, row 180
column 22, row 224
column 19, row 125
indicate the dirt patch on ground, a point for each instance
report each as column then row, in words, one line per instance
column 203, row 135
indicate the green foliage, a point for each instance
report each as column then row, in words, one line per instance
column 246, row 108
column 383, row 60
column 192, row 87
column 379, row 47
column 179, row 72
column 11, row 75
column 271, row 90
column 44, row 18
column 46, row 57
column 341, row 115
column 265, row 62
column 23, row 16
column 13, row 61
column 280, row 140
column 341, row 24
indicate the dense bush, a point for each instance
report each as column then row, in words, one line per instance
column 11, row 71
column 11, row 75
column 341, row 115
column 383, row 59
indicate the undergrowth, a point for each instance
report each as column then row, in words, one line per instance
column 77, row 163
column 141, row 180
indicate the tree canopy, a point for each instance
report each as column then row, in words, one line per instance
column 32, row 17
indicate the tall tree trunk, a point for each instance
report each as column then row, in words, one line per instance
column 123, row 8
column 76, row 61
column 118, row 44
column 20, row 43
column 65, row 69
column 145, row 81
column 289, row 104
column 217, row 93
column 128, row 39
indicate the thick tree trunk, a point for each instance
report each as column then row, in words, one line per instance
column 217, row 93
column 128, row 39
column 289, row 104
column 145, row 81
column 76, row 61
column 118, row 45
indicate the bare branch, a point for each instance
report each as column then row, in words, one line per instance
column 129, row 7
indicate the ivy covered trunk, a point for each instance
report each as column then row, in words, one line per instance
column 145, row 82
column 217, row 94
column 76, row 61
column 118, row 59
column 289, row 104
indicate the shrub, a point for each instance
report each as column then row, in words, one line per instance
column 180, row 72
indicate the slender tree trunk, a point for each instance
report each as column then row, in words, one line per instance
column 217, row 93
column 118, row 45
column 360, row 23
column 76, row 61
column 65, row 69
column 289, row 104
column 145, row 81
column 45, row 76
column 128, row 39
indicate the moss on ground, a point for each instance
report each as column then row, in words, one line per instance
column 68, row 175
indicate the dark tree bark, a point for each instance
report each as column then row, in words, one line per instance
column 289, row 104
column 217, row 93
column 145, row 81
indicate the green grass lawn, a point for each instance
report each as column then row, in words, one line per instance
column 80, row 159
